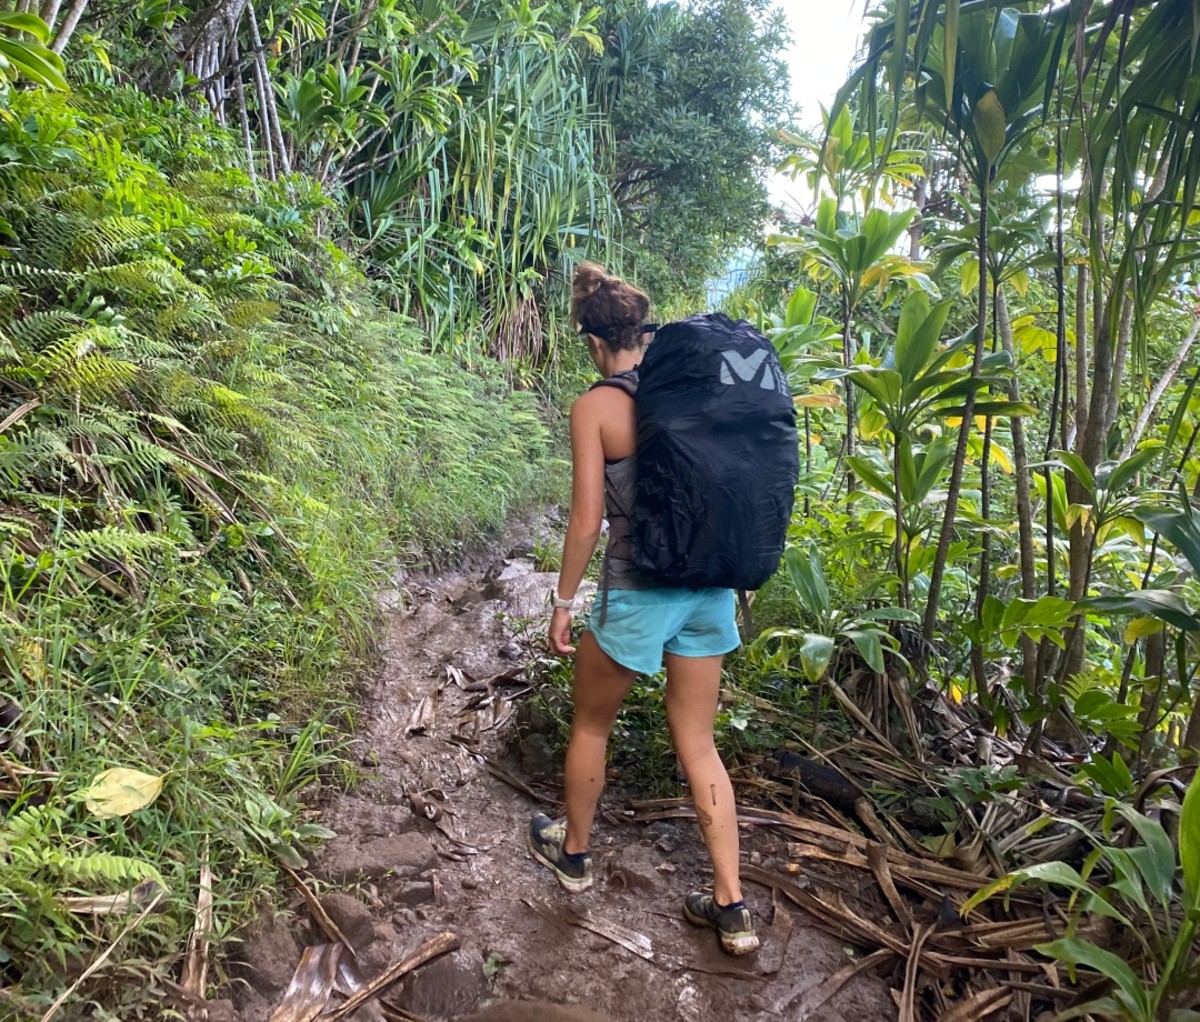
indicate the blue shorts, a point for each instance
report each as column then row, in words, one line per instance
column 642, row 624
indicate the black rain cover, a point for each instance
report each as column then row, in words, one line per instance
column 718, row 456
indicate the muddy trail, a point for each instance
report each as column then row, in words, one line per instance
column 432, row 842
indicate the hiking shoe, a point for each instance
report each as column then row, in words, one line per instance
column 733, row 924
column 545, row 839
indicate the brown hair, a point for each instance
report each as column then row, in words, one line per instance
column 608, row 308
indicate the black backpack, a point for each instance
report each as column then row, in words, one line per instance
column 717, row 455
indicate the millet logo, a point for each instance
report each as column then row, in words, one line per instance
column 747, row 367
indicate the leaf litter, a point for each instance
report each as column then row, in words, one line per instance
column 853, row 862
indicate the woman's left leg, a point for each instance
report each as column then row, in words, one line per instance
column 598, row 688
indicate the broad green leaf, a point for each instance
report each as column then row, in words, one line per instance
column 120, row 791
column 992, row 613
column 949, row 49
column 1122, row 473
column 923, row 343
column 1189, row 842
column 1075, row 465
column 890, row 614
column 1050, row 872
column 809, row 580
column 815, row 653
column 1159, row 603
column 800, row 308
column 866, row 470
column 866, row 641
column 1158, row 865
column 13, row 21
column 1074, row 951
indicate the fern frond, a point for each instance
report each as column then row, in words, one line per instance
column 33, row 275
column 114, row 543
column 104, row 866
column 38, row 329
column 244, row 313
column 151, row 276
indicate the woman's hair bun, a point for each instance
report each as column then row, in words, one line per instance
column 608, row 307
column 589, row 278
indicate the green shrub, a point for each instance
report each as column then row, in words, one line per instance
column 212, row 442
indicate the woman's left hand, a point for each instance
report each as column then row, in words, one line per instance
column 560, row 632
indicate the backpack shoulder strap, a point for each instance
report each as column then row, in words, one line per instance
column 626, row 381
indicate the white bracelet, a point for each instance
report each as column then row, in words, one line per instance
column 561, row 604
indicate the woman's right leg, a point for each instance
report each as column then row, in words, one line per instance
column 693, row 688
column 598, row 688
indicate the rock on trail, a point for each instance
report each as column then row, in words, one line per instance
column 432, row 841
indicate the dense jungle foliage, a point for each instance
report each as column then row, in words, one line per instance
column 281, row 303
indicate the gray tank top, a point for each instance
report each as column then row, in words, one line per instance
column 619, row 570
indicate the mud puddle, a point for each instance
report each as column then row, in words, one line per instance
column 432, row 842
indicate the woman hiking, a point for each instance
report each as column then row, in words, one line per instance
column 635, row 625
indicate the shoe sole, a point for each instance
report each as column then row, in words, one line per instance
column 574, row 885
column 736, row 944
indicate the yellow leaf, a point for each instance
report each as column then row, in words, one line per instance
column 989, row 118
column 818, row 401
column 1140, row 627
column 120, row 791
column 1001, row 458
column 1078, row 514
column 956, row 692
column 968, row 276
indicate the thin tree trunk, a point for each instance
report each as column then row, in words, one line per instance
column 49, row 12
column 848, row 361
column 70, row 22
column 1160, row 388
column 272, row 111
column 920, row 191
column 898, row 510
column 261, row 85
column 1028, row 563
column 239, row 97
column 1190, row 751
column 964, row 433
column 807, row 457
column 978, row 667
column 1081, row 335
column 1124, row 334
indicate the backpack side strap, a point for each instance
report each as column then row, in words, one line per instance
column 626, row 381
column 747, row 624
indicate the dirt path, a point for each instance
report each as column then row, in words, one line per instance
column 393, row 877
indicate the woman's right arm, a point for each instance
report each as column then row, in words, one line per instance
column 587, row 511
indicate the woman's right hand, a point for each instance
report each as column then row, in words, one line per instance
column 560, row 632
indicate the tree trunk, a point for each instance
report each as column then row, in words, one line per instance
column 1024, row 496
column 920, row 191
column 848, row 361
column 272, row 111
column 70, row 22
column 978, row 667
column 1124, row 334
column 239, row 97
column 261, row 85
column 1160, row 388
column 1081, row 314
column 49, row 12
column 964, row 433
column 898, row 511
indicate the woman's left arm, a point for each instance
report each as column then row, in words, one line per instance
column 587, row 510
